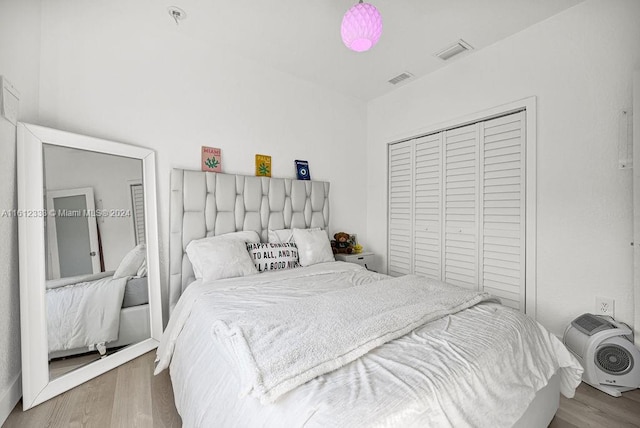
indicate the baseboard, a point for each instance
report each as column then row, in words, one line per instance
column 10, row 398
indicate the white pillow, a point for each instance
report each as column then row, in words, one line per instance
column 131, row 262
column 246, row 236
column 270, row 256
column 220, row 258
column 313, row 246
column 282, row 236
column 142, row 270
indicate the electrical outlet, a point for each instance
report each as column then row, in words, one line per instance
column 605, row 306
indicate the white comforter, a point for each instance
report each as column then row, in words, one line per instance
column 478, row 367
column 84, row 314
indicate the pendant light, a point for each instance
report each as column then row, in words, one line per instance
column 361, row 27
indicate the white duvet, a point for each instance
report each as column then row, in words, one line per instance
column 478, row 367
column 84, row 314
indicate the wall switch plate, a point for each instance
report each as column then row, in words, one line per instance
column 605, row 306
column 9, row 100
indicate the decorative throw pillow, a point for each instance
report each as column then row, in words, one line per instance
column 270, row 256
column 313, row 246
column 131, row 262
column 220, row 258
column 283, row 235
column 280, row 236
column 199, row 246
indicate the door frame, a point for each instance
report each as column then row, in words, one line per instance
column 90, row 216
column 636, row 205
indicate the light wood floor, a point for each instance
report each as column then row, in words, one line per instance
column 591, row 408
column 130, row 396
column 65, row 365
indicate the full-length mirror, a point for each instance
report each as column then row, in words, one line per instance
column 90, row 292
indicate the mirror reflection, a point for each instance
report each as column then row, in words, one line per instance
column 97, row 298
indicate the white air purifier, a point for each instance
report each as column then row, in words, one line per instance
column 605, row 349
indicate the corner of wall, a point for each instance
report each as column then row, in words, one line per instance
column 10, row 398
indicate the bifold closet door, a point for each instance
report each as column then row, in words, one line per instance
column 457, row 207
column 460, row 206
column 400, row 240
column 502, row 262
column 427, row 196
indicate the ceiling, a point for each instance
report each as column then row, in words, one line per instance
column 302, row 37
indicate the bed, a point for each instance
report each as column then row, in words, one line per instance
column 482, row 365
column 125, row 300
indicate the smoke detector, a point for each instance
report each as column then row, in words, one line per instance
column 176, row 13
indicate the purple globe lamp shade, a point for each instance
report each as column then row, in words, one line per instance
column 361, row 27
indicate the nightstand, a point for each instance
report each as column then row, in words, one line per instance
column 365, row 259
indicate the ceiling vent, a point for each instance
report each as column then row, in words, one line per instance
column 400, row 77
column 453, row 50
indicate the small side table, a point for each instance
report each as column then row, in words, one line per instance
column 364, row 259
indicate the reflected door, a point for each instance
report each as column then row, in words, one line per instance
column 73, row 233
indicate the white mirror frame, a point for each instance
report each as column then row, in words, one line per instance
column 37, row 387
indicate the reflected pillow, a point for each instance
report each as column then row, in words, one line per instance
column 142, row 270
column 246, row 236
column 313, row 246
column 270, row 256
column 220, row 258
column 131, row 262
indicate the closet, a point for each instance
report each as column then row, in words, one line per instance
column 457, row 207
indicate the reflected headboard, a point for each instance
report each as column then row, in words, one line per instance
column 208, row 203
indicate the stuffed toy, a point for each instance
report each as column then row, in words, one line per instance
column 340, row 244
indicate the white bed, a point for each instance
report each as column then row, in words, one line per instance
column 130, row 310
column 483, row 366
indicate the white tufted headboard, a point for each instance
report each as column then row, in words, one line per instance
column 207, row 204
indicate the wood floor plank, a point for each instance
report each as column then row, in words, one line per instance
column 164, row 410
column 93, row 408
column 584, row 415
column 133, row 395
column 624, row 407
column 558, row 422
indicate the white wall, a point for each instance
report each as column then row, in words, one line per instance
column 145, row 82
column 19, row 59
column 109, row 176
column 579, row 66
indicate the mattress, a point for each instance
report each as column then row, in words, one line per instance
column 136, row 292
column 478, row 367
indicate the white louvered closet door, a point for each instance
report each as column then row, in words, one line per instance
column 400, row 208
column 427, row 196
column 460, row 206
column 457, row 207
column 503, row 209
column 137, row 202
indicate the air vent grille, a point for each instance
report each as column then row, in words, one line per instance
column 453, row 50
column 400, row 77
